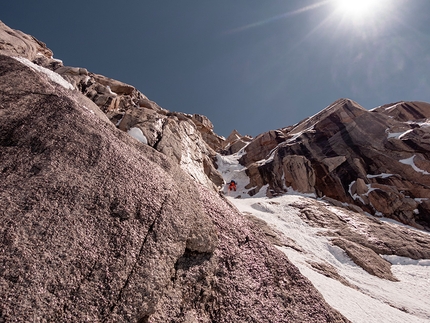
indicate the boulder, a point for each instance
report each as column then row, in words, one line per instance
column 298, row 173
column 366, row 258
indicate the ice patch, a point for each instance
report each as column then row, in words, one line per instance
column 398, row 260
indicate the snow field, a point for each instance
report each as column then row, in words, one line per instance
column 374, row 300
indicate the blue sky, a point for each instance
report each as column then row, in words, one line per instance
column 246, row 64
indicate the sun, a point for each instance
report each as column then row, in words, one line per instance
column 357, row 8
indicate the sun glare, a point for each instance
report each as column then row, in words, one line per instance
column 357, row 8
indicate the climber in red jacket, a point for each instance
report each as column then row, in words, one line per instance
column 232, row 186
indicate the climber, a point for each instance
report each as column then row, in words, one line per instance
column 232, row 185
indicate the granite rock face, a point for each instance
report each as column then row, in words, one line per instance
column 96, row 226
column 378, row 160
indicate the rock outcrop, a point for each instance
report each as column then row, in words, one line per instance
column 16, row 43
column 234, row 143
column 188, row 139
column 378, row 160
column 96, row 226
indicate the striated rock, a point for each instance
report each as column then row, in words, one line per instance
column 16, row 43
column 373, row 159
column 405, row 111
column 97, row 227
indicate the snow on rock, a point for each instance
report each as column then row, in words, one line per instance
column 50, row 74
column 374, row 299
column 410, row 161
column 398, row 135
column 345, row 144
column 138, row 134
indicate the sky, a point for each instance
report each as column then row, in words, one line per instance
column 249, row 65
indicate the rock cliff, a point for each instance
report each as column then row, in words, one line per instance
column 97, row 226
column 378, row 160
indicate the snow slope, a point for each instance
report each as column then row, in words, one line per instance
column 373, row 299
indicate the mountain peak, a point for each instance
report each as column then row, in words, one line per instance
column 343, row 110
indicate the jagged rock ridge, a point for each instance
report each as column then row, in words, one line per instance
column 378, row 160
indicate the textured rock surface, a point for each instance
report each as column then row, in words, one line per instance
column 98, row 227
column 378, row 160
column 16, row 43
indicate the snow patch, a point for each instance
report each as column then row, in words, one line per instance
column 231, row 169
column 376, row 300
column 410, row 161
column 382, row 175
column 119, row 121
column 398, row 135
column 54, row 77
column 91, row 111
column 420, row 199
column 138, row 134
column 110, row 91
column 392, row 107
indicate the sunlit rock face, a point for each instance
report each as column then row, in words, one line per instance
column 378, row 160
column 96, row 226
column 187, row 139
column 184, row 138
column 16, row 43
